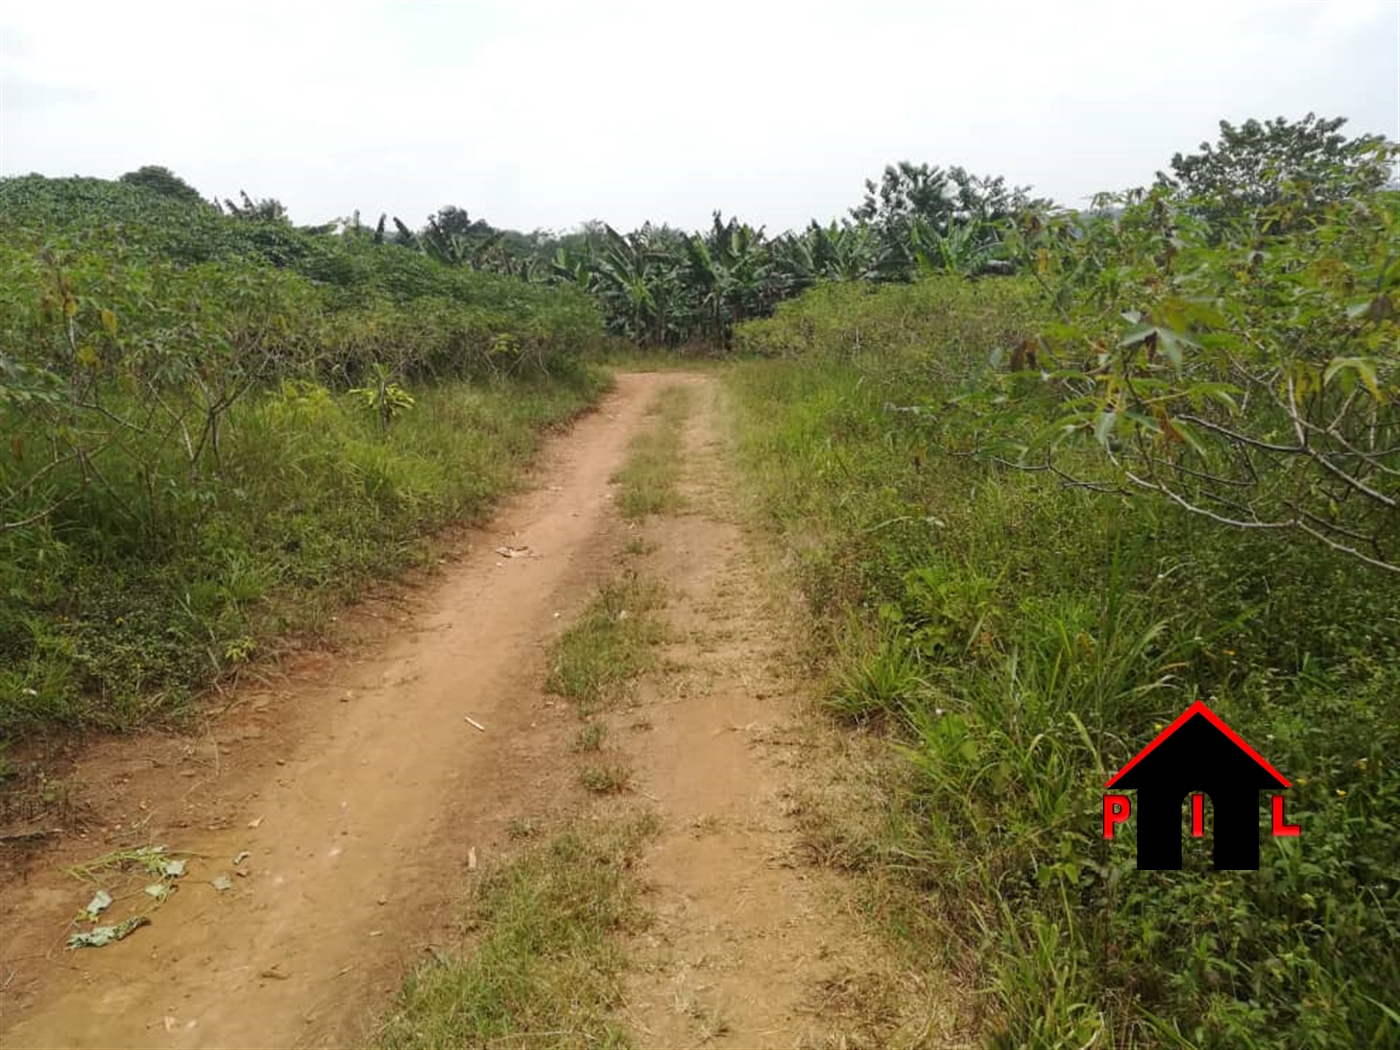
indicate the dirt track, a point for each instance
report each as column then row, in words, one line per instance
column 359, row 790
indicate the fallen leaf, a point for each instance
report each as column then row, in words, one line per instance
column 221, row 883
column 159, row 890
column 101, row 936
column 101, row 901
column 241, row 858
column 255, row 822
column 174, row 868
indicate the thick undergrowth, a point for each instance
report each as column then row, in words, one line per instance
column 1016, row 639
column 215, row 429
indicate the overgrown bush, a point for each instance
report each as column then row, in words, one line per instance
column 196, row 447
column 1020, row 639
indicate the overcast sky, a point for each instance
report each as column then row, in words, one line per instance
column 533, row 115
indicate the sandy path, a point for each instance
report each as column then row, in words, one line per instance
column 370, row 789
column 750, row 944
column 370, row 792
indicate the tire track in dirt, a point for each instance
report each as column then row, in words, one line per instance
column 752, row 945
column 371, row 792
column 368, row 787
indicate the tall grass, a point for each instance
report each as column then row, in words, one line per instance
column 1018, row 641
column 109, row 620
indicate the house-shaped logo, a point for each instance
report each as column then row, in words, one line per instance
column 1199, row 755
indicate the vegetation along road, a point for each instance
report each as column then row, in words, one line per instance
column 459, row 637
column 368, row 792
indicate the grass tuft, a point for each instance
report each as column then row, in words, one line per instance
column 639, row 545
column 590, row 737
column 545, row 968
column 610, row 779
column 653, row 466
column 596, row 658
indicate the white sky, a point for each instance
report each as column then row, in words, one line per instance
column 533, row 115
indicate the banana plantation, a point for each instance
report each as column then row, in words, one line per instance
column 660, row 286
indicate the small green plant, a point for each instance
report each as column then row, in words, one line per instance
column 522, row 828
column 877, row 680
column 639, row 545
column 384, row 397
column 609, row 646
column 606, row 779
column 590, row 737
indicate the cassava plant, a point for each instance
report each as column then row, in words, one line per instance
column 1248, row 377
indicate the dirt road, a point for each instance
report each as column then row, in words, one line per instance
column 359, row 791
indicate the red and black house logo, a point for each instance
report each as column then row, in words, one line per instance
column 1197, row 755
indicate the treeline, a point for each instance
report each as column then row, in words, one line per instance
column 661, row 286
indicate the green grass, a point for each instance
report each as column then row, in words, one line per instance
column 1017, row 641
column 102, row 627
column 648, row 479
column 639, row 546
column 610, row 645
column 607, row 779
column 187, row 473
column 544, row 967
column 590, row 737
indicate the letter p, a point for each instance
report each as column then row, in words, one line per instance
column 1116, row 809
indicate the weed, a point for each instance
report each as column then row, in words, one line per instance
column 709, row 824
column 606, row 779
column 590, row 737
column 876, row 680
column 609, row 646
column 639, row 545
column 648, row 479
column 545, row 968
column 522, row 828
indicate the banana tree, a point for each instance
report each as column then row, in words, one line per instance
column 624, row 280
column 966, row 249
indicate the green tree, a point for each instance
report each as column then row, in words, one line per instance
column 1258, row 387
column 163, row 181
column 451, row 221
column 1251, row 168
column 268, row 209
column 918, row 202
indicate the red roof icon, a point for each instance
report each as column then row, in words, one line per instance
column 1200, row 709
